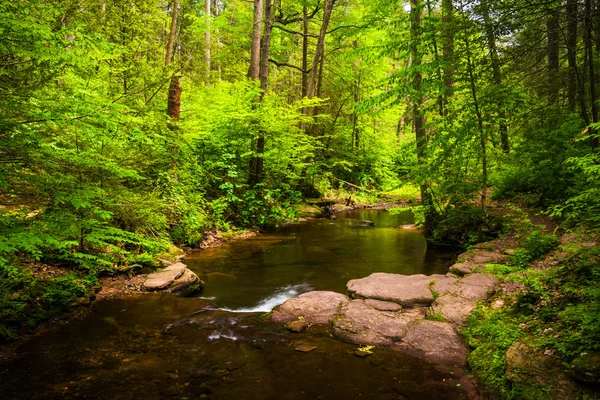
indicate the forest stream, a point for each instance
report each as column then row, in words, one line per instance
column 219, row 345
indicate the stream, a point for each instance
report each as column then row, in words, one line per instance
column 219, row 345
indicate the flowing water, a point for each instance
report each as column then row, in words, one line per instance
column 219, row 345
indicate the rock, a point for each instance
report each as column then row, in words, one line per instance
column 586, row 368
column 409, row 227
column 364, row 325
column 406, row 290
column 298, row 326
column 453, row 308
column 186, row 285
column 310, row 211
column 163, row 262
column 528, row 366
column 434, row 341
column 482, row 257
column 161, row 279
column 318, row 307
column 383, row 305
column 463, row 268
column 305, row 347
column 361, row 354
column 364, row 223
column 474, row 287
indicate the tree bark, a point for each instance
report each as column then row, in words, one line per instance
column 304, row 50
column 257, row 162
column 207, row 15
column 481, row 131
column 171, row 42
column 448, row 50
column 496, row 74
column 312, row 81
column 552, row 26
column 589, row 46
column 254, row 70
column 572, row 53
column 417, row 80
column 174, row 99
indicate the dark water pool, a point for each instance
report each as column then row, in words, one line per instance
column 157, row 346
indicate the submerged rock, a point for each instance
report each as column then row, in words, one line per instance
column 305, row 347
column 318, row 307
column 298, row 326
column 162, row 279
column 406, row 290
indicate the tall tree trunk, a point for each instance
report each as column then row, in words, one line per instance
column 589, row 46
column 208, row 16
column 254, row 70
column 312, row 81
column 481, row 131
column 257, row 162
column 552, row 26
column 418, row 119
column 174, row 98
column 572, row 53
column 304, row 50
column 448, row 50
column 496, row 73
column 171, row 42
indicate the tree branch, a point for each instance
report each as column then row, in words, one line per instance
column 280, row 64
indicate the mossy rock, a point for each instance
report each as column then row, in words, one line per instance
column 173, row 254
column 310, row 211
column 533, row 372
column 586, row 368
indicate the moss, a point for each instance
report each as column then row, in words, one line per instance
column 434, row 316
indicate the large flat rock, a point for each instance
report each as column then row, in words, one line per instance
column 406, row 290
column 482, row 257
column 473, row 286
column 161, row 279
column 318, row 307
column 434, row 341
column 362, row 324
column 453, row 308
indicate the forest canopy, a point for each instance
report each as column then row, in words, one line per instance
column 128, row 125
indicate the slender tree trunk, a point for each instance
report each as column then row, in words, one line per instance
column 418, row 120
column 552, row 26
column 482, row 138
column 254, row 70
column 174, row 98
column 208, row 16
column 496, row 73
column 448, row 50
column 572, row 53
column 171, row 42
column 257, row 162
column 589, row 46
column 312, row 81
column 304, row 50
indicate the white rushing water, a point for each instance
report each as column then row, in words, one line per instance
column 277, row 298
